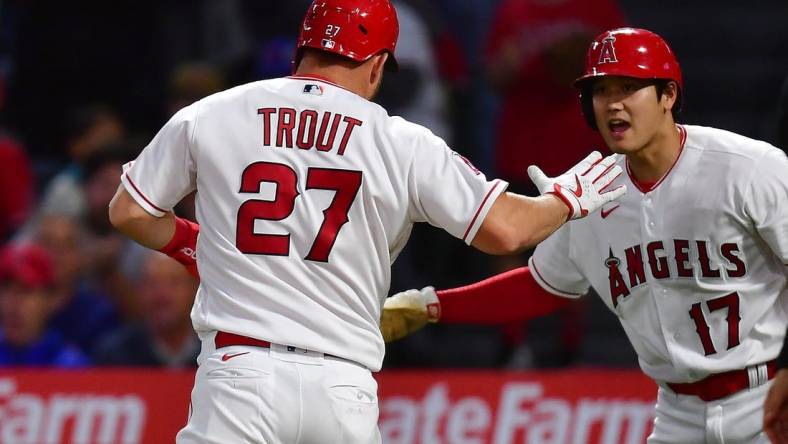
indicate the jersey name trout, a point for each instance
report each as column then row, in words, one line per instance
column 307, row 129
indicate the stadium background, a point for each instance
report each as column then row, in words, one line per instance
column 85, row 84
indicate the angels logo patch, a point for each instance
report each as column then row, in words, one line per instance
column 608, row 52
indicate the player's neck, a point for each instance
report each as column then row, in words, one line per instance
column 650, row 163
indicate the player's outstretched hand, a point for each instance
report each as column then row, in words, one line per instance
column 581, row 188
column 775, row 409
column 408, row 311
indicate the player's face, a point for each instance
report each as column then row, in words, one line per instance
column 627, row 112
column 23, row 313
column 166, row 293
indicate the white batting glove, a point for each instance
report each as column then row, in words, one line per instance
column 408, row 311
column 581, row 187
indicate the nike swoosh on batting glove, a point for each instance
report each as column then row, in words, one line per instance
column 581, row 187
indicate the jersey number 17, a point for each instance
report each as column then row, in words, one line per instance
column 731, row 302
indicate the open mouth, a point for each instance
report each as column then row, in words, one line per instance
column 618, row 127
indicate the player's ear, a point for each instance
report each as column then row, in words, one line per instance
column 378, row 65
column 670, row 94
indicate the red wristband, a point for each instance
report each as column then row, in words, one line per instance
column 183, row 245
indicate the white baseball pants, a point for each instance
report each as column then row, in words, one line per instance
column 247, row 394
column 736, row 419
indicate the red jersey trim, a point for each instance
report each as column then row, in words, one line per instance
column 542, row 279
column 318, row 78
column 645, row 187
column 133, row 185
column 479, row 210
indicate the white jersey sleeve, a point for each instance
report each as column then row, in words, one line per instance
column 766, row 201
column 448, row 191
column 553, row 266
column 165, row 171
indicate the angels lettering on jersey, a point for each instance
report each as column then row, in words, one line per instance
column 676, row 258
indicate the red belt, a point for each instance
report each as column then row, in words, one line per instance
column 720, row 385
column 227, row 339
column 224, row 339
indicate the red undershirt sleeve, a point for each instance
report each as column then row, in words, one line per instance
column 511, row 296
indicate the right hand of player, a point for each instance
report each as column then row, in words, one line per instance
column 775, row 410
column 408, row 311
column 581, row 187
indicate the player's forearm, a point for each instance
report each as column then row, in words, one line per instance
column 133, row 221
column 541, row 217
column 515, row 223
column 507, row 297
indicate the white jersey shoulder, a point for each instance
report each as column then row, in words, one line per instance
column 737, row 148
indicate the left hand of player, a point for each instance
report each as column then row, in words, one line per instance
column 775, row 410
column 581, row 187
column 408, row 311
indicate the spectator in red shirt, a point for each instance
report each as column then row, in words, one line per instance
column 16, row 187
column 535, row 50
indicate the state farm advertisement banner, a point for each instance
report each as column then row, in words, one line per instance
column 93, row 407
column 142, row 406
column 571, row 407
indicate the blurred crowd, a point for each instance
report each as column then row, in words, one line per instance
column 85, row 85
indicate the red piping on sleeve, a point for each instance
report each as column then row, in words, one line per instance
column 479, row 210
column 142, row 195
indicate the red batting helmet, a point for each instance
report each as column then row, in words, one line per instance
column 356, row 29
column 627, row 52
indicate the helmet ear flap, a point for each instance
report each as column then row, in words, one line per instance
column 587, row 107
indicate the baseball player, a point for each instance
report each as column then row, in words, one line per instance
column 306, row 192
column 692, row 260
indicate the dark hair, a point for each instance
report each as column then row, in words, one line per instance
column 115, row 152
column 81, row 119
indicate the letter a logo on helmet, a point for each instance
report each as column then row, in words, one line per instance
column 608, row 52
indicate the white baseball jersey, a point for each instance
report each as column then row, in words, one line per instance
column 306, row 193
column 695, row 268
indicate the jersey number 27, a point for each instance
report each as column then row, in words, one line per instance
column 345, row 182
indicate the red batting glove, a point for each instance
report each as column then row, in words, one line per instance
column 183, row 245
